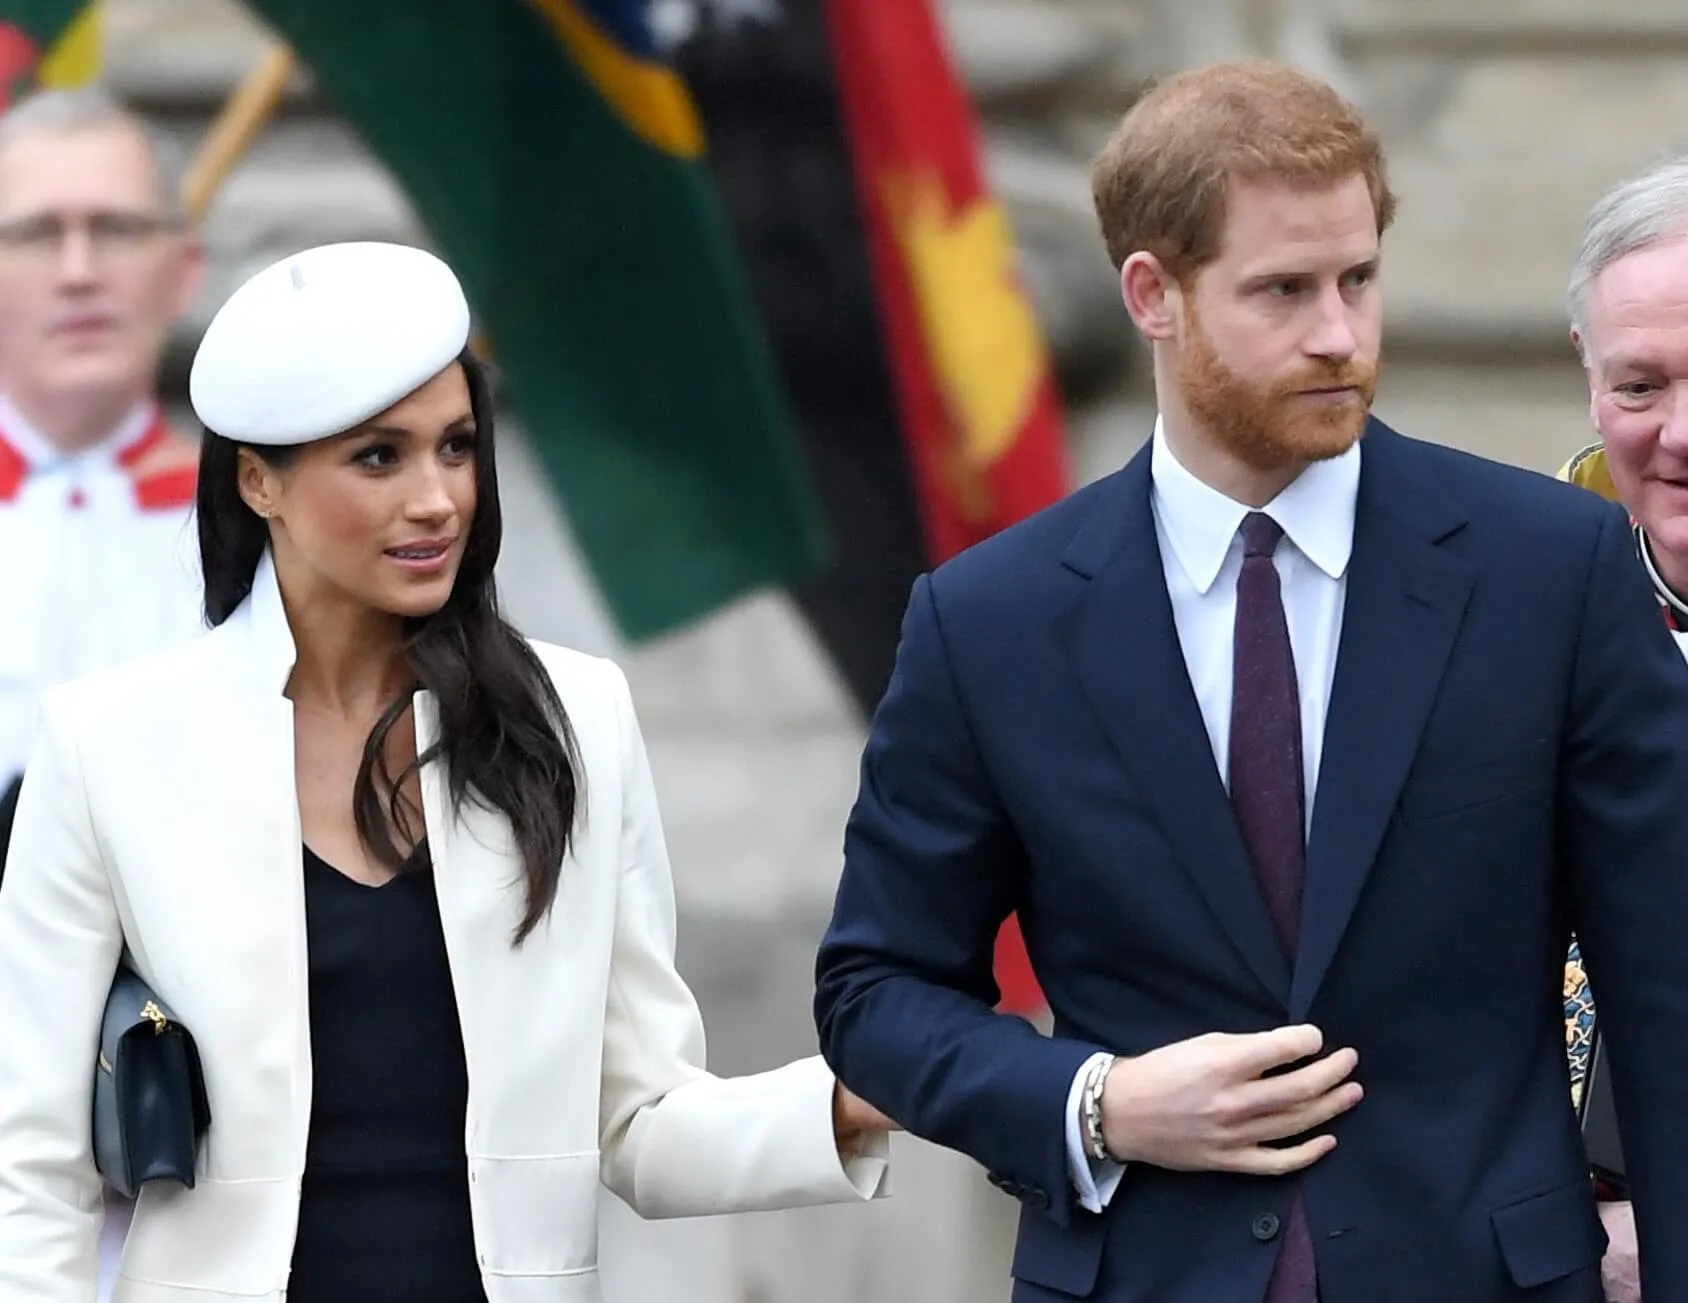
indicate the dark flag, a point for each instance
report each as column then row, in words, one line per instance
column 845, row 149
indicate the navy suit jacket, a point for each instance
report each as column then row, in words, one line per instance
column 1506, row 756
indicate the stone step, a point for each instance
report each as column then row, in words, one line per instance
column 1019, row 55
column 172, row 58
column 1466, row 29
column 1496, row 178
column 182, row 58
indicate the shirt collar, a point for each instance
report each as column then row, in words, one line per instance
column 42, row 454
column 1675, row 607
column 1316, row 512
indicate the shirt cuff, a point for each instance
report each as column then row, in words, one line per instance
column 1093, row 1181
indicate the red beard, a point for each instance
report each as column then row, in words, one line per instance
column 1271, row 427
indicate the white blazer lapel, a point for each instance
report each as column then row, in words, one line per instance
column 261, row 641
column 215, row 911
column 465, row 884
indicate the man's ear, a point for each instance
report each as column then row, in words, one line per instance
column 1580, row 343
column 1151, row 294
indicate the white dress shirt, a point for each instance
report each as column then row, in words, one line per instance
column 1202, row 554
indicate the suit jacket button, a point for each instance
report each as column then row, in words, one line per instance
column 1265, row 1227
column 1038, row 1199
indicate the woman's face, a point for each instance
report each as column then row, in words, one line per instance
column 380, row 514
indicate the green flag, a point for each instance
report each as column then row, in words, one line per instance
column 556, row 162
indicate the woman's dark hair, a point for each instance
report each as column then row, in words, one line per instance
column 503, row 731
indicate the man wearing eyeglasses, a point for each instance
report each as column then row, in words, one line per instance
column 97, row 561
column 96, row 491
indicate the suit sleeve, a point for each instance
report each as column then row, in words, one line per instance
column 676, row 1141
column 60, row 940
column 1624, row 838
column 905, row 994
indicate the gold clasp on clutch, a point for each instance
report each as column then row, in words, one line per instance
column 153, row 1014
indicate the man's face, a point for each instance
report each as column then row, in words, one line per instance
column 1636, row 356
column 1278, row 353
column 92, row 273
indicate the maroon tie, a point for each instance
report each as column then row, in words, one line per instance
column 1266, row 792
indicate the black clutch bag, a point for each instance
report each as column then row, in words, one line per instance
column 8, row 811
column 1599, row 1117
column 150, row 1106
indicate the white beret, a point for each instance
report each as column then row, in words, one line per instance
column 323, row 340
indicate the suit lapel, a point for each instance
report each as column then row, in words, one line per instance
column 1130, row 665
column 1406, row 598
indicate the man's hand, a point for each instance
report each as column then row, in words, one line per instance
column 1620, row 1270
column 854, row 1119
column 1206, row 1104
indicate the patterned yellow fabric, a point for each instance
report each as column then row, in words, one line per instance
column 1589, row 470
column 1579, row 1021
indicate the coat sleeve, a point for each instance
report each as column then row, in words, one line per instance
column 677, row 1141
column 904, row 991
column 1624, row 842
column 60, row 940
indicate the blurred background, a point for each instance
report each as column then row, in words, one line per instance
column 750, row 397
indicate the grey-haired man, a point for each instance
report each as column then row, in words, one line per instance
column 1629, row 322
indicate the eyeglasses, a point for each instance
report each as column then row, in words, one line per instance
column 110, row 234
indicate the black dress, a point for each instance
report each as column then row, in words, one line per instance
column 384, row 1210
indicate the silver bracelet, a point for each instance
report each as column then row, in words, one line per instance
column 1094, row 1085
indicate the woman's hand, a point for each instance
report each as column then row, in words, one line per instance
column 854, row 1119
column 1620, row 1272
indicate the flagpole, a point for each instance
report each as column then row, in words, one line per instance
column 236, row 126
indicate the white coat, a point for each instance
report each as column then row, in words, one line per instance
column 159, row 812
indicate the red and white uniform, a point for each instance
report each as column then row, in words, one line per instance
column 99, row 562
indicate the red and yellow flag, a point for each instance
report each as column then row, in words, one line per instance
column 974, row 385
column 47, row 43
